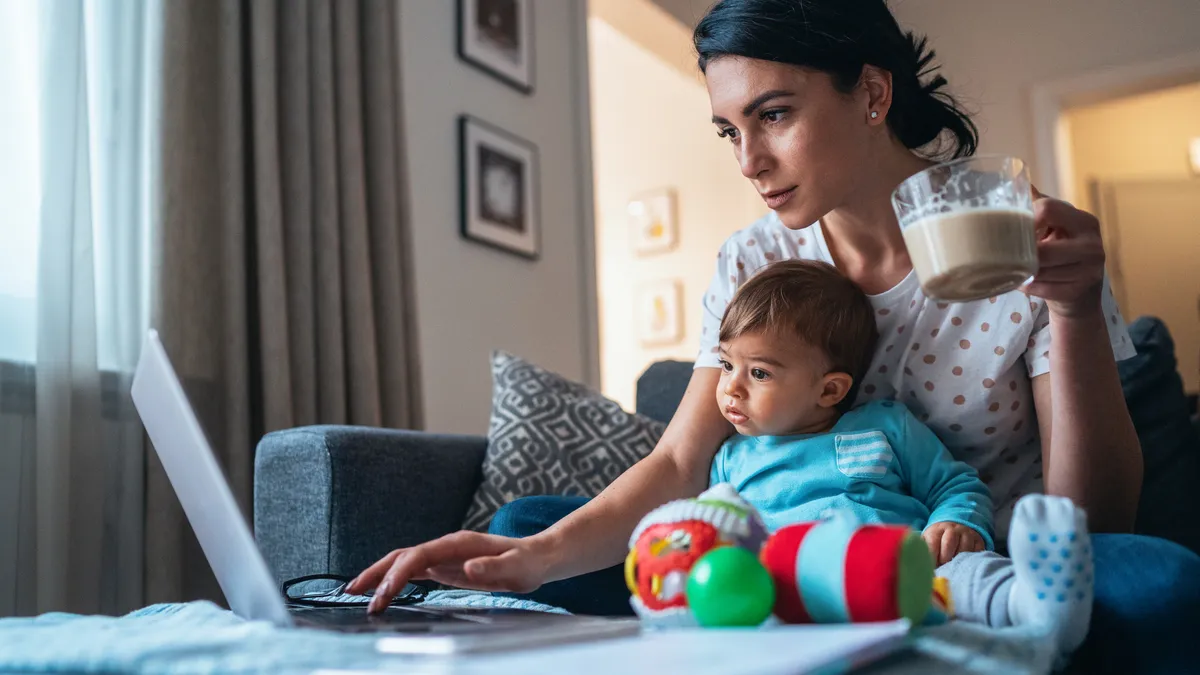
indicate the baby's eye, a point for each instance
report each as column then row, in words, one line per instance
column 759, row 374
column 726, row 366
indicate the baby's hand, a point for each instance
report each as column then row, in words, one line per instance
column 947, row 539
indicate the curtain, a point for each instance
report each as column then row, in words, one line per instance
column 68, row 435
column 229, row 173
column 283, row 285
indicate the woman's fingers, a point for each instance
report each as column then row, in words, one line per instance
column 1070, row 268
column 407, row 563
column 1056, row 216
column 1059, row 252
column 369, row 578
column 1055, row 292
column 403, row 568
column 1069, row 272
column 450, row 574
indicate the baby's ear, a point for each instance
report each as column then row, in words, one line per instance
column 834, row 388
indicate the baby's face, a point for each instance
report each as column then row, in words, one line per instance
column 772, row 386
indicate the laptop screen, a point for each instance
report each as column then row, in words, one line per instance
column 202, row 489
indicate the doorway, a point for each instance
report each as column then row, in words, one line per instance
column 1130, row 163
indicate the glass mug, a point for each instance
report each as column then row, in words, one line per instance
column 968, row 226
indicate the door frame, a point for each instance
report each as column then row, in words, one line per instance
column 1048, row 100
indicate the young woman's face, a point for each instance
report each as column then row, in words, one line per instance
column 801, row 143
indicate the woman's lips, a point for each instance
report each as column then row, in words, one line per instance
column 777, row 199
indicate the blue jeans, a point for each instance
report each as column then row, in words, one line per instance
column 1145, row 617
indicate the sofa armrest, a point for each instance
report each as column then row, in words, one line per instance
column 334, row 499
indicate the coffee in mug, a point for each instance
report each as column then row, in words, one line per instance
column 968, row 226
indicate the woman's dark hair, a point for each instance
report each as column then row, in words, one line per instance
column 839, row 37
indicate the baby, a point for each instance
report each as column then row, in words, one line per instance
column 794, row 342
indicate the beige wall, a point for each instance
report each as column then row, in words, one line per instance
column 471, row 299
column 995, row 52
column 1137, row 148
column 1138, row 138
column 651, row 130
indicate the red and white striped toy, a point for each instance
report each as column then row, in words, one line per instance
column 840, row 571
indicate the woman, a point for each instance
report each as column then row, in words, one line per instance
column 828, row 107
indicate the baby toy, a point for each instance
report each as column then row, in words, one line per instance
column 838, row 570
column 708, row 561
column 670, row 540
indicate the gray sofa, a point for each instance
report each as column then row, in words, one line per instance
column 334, row 499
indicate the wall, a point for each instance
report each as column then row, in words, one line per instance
column 1133, row 138
column 471, row 299
column 1138, row 148
column 995, row 52
column 651, row 129
column 687, row 12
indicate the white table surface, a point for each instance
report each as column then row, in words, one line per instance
column 784, row 650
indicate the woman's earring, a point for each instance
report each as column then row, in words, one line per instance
column 874, row 114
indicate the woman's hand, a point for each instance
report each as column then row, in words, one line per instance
column 1070, row 273
column 465, row 559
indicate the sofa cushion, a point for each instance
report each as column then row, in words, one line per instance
column 1170, row 502
column 661, row 388
column 551, row 436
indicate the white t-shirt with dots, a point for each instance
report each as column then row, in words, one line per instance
column 962, row 368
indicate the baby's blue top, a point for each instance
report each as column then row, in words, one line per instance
column 878, row 461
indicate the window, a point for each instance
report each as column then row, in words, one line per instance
column 20, row 179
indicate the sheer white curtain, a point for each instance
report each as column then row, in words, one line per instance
column 76, row 300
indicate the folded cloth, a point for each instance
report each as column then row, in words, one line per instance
column 196, row 637
column 201, row 638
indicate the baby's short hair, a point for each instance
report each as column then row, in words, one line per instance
column 813, row 302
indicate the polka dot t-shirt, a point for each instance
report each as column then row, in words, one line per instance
column 964, row 369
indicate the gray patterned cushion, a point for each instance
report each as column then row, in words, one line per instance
column 551, row 436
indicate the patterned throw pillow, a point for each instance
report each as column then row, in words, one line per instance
column 551, row 436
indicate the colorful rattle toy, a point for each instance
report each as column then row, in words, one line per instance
column 839, row 571
column 670, row 540
column 708, row 561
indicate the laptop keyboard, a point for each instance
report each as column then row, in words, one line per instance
column 418, row 619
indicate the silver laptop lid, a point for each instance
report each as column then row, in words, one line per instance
column 194, row 473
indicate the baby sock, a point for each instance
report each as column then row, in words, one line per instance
column 1052, row 562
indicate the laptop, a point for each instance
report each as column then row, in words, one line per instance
column 418, row 628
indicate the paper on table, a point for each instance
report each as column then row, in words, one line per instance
column 784, row 650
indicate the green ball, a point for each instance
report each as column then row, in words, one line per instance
column 728, row 586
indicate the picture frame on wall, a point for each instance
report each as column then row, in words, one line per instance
column 653, row 227
column 496, row 36
column 660, row 313
column 498, row 176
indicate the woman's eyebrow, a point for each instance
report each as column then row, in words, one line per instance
column 757, row 103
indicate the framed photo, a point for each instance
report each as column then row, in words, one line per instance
column 652, row 224
column 659, row 314
column 498, row 181
column 497, row 37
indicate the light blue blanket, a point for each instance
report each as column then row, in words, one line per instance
column 200, row 637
